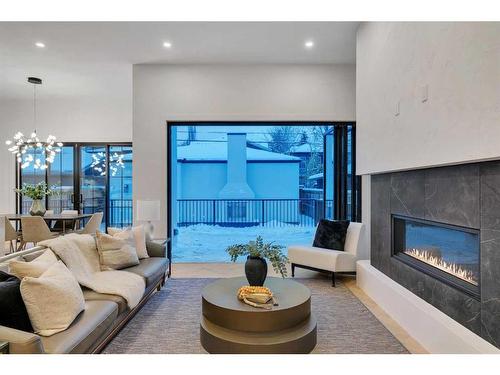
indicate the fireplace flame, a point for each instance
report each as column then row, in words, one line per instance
column 438, row 262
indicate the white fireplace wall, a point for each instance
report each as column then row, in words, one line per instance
column 445, row 79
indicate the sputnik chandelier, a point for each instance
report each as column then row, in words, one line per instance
column 99, row 163
column 116, row 161
column 26, row 148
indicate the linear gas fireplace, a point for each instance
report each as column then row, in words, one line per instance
column 447, row 252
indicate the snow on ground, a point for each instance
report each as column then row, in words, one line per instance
column 208, row 243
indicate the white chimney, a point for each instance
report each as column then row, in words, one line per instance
column 236, row 186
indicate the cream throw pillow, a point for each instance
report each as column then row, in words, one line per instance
column 115, row 253
column 137, row 234
column 52, row 300
column 113, row 230
column 34, row 268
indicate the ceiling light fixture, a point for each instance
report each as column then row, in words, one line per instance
column 99, row 163
column 32, row 149
column 40, row 44
column 309, row 44
column 167, row 44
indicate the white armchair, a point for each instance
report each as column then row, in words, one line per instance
column 334, row 261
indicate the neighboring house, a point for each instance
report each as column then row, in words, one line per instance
column 257, row 146
column 305, row 152
column 315, row 181
column 228, row 183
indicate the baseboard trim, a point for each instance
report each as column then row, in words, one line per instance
column 432, row 329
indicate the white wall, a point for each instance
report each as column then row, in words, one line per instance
column 365, row 249
column 226, row 92
column 101, row 115
column 460, row 121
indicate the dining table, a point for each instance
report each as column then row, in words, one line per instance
column 51, row 218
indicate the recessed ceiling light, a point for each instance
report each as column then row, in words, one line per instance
column 167, row 44
column 40, row 44
column 309, row 44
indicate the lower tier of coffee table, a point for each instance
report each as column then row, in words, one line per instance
column 300, row 339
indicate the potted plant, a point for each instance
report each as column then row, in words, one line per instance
column 257, row 252
column 37, row 192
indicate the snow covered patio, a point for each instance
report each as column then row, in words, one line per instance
column 208, row 243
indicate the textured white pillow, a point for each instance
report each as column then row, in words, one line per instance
column 137, row 234
column 115, row 253
column 34, row 268
column 140, row 241
column 113, row 230
column 52, row 300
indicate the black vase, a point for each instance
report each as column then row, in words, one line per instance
column 256, row 270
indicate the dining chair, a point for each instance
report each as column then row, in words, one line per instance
column 48, row 213
column 93, row 224
column 11, row 234
column 69, row 224
column 34, row 229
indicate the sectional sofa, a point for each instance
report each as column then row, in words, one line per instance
column 103, row 317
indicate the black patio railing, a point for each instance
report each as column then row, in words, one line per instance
column 222, row 212
column 251, row 212
column 120, row 213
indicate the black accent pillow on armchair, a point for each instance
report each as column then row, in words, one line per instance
column 331, row 234
column 13, row 312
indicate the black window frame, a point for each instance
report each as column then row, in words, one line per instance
column 77, row 146
column 341, row 202
column 340, row 147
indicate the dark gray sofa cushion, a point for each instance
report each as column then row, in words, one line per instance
column 88, row 327
column 156, row 249
column 152, row 269
column 90, row 295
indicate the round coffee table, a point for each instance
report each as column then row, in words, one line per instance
column 231, row 326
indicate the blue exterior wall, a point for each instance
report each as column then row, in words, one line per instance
column 201, row 180
column 269, row 180
column 274, row 180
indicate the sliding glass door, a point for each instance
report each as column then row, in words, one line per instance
column 296, row 173
column 61, row 175
column 328, row 180
column 120, row 186
column 88, row 178
column 93, row 180
column 341, row 186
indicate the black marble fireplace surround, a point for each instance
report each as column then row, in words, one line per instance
column 464, row 196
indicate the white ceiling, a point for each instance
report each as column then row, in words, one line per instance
column 82, row 56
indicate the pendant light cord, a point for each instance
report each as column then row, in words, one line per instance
column 34, row 108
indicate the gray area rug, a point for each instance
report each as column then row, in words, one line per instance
column 169, row 322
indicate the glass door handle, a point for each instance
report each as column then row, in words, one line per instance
column 81, row 198
column 72, row 198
